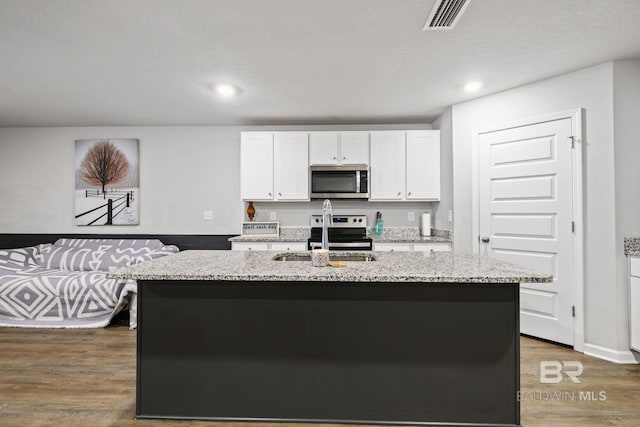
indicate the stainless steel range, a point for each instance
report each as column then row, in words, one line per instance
column 346, row 232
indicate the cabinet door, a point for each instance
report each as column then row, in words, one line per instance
column 256, row 166
column 291, row 166
column 249, row 246
column 436, row 247
column 354, row 148
column 323, row 148
column 634, row 307
column 387, row 168
column 423, row 165
column 392, row 247
column 288, row 246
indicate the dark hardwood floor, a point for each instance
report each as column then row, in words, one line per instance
column 87, row 378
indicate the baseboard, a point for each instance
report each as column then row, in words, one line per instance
column 615, row 356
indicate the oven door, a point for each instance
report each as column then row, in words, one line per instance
column 364, row 245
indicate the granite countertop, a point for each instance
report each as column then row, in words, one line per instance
column 443, row 267
column 632, row 246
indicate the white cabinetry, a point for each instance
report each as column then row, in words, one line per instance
column 269, row 246
column 274, row 166
column 634, row 301
column 423, row 165
column 405, row 165
column 256, row 166
column 418, row 247
column 291, row 166
column 387, row 167
column 334, row 148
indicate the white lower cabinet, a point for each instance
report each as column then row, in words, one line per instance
column 634, row 301
column 418, row 247
column 436, row 247
column 288, row 246
column 269, row 246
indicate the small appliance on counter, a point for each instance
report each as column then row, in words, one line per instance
column 346, row 233
column 425, row 224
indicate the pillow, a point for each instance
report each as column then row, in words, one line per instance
column 22, row 257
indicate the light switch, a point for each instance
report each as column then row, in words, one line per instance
column 410, row 217
column 273, row 216
column 207, row 215
column 450, row 216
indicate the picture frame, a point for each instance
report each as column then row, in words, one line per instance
column 261, row 229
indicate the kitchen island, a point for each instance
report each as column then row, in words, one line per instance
column 410, row 338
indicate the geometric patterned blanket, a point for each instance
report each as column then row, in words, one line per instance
column 64, row 285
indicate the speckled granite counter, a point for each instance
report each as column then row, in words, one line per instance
column 632, row 246
column 287, row 234
column 389, row 267
column 390, row 235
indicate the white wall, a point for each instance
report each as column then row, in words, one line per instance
column 591, row 89
column 626, row 115
column 445, row 124
column 184, row 170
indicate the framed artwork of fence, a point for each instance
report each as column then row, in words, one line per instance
column 107, row 182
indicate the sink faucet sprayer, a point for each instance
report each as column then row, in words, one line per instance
column 326, row 219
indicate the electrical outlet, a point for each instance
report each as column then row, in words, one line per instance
column 273, row 216
column 410, row 217
column 207, row 215
column 450, row 216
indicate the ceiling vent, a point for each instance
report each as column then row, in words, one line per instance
column 445, row 14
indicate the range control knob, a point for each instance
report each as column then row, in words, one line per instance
column 360, row 220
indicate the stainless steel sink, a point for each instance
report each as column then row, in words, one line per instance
column 332, row 257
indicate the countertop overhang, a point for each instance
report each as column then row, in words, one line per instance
column 401, row 267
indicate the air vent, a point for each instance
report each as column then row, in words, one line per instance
column 445, row 14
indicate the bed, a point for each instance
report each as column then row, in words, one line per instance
column 64, row 284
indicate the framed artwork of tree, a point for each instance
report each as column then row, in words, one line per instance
column 107, row 182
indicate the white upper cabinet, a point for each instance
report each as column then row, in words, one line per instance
column 291, row 166
column 387, row 167
column 256, row 168
column 323, row 148
column 354, row 148
column 274, row 166
column 405, row 165
column 335, row 148
column 423, row 165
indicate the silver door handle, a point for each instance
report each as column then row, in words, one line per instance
column 484, row 239
column 399, row 193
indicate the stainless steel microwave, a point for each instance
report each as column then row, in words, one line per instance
column 339, row 182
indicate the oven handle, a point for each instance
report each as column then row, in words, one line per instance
column 315, row 245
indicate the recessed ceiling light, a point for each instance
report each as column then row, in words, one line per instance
column 226, row 90
column 473, row 86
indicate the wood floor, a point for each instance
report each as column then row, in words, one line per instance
column 87, row 378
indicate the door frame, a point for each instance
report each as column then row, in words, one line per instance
column 577, row 129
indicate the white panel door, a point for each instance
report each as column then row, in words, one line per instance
column 291, row 166
column 323, row 148
column 387, row 176
column 525, row 201
column 354, row 148
column 423, row 165
column 256, row 166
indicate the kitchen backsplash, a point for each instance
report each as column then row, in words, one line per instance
column 393, row 214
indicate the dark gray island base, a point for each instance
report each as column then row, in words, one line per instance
column 418, row 347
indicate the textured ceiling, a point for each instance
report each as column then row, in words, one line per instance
column 152, row 62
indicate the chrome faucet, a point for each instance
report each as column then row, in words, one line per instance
column 326, row 219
